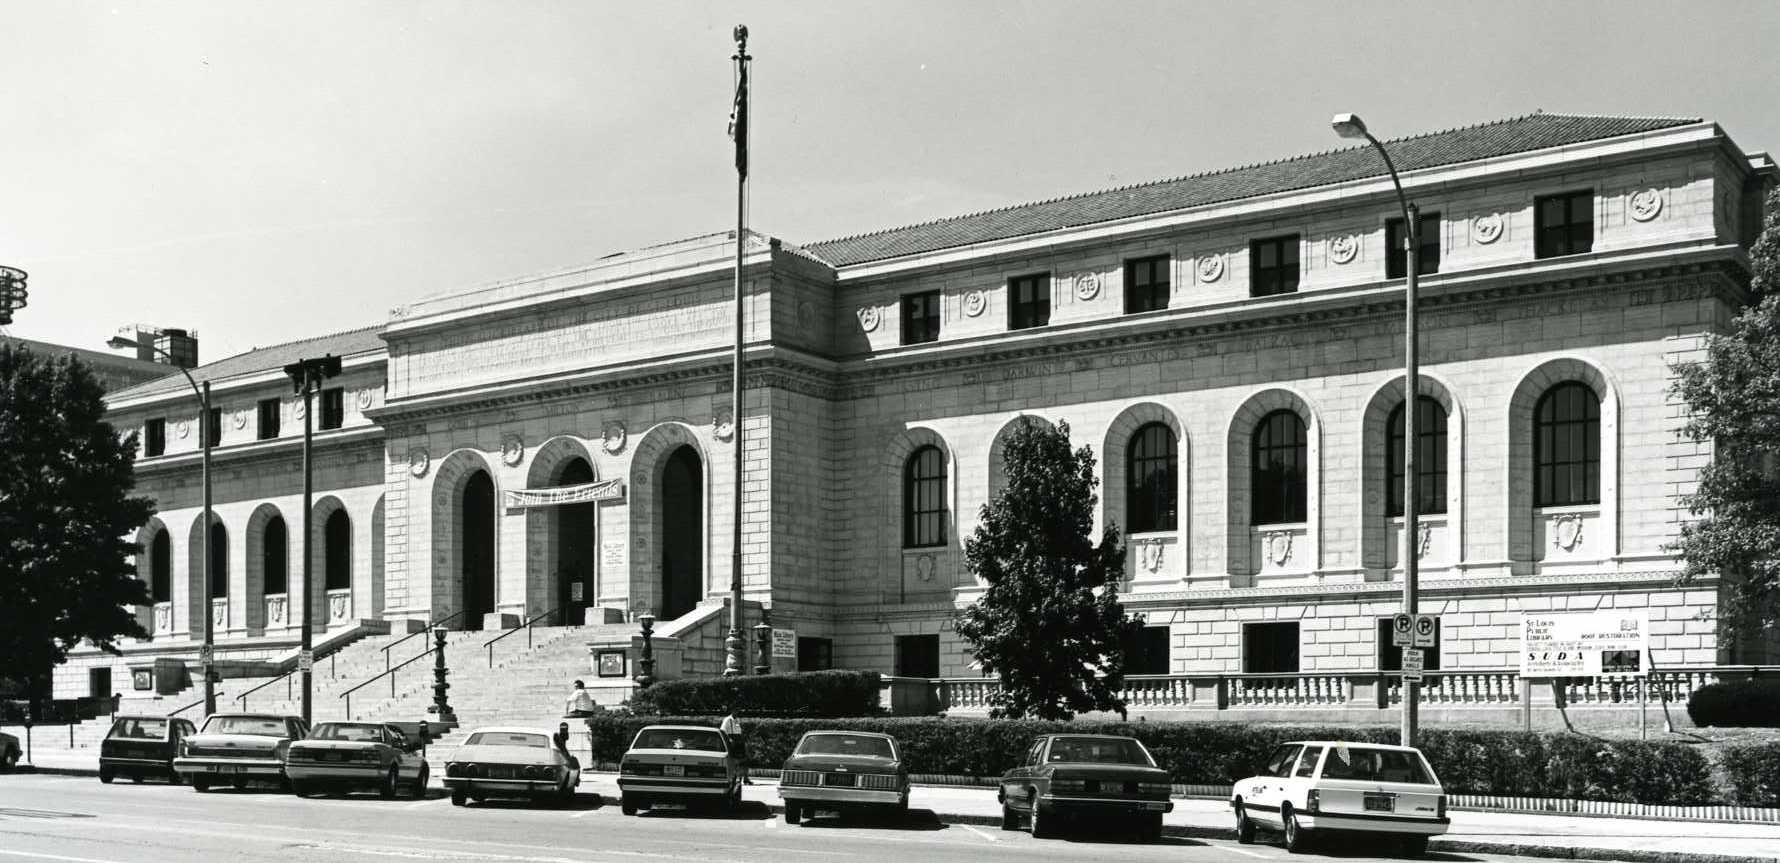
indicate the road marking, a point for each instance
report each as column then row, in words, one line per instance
column 61, row 857
column 1246, row 852
column 983, row 833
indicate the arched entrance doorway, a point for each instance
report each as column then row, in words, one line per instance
column 681, row 517
column 574, row 526
column 477, row 535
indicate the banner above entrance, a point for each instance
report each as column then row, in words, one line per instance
column 593, row 492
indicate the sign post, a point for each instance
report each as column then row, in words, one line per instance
column 1556, row 645
column 1402, row 630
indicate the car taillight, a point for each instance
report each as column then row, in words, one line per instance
column 1069, row 785
column 1154, row 788
column 628, row 767
column 1440, row 806
column 1313, row 802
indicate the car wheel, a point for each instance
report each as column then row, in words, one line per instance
column 1245, row 828
column 106, row 774
column 388, row 789
column 793, row 813
column 627, row 806
column 1297, row 841
column 201, row 786
column 1040, row 822
column 299, row 788
column 459, row 798
column 1415, row 846
column 1152, row 827
column 1009, row 821
column 420, row 782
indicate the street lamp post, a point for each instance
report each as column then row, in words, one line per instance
column 205, row 656
column 306, row 375
column 1351, row 126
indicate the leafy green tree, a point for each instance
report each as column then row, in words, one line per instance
column 1049, row 623
column 1735, row 400
column 67, row 520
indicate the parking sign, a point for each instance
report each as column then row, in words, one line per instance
column 1427, row 629
column 1402, row 634
column 1412, row 663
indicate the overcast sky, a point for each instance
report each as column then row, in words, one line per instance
column 263, row 172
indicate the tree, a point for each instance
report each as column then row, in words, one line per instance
column 1735, row 401
column 1050, row 623
column 66, row 518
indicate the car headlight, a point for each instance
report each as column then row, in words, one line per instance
column 453, row 768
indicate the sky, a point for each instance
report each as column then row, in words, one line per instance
column 268, row 171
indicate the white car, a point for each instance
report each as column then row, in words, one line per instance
column 1320, row 786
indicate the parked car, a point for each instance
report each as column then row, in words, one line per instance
column 844, row 771
column 351, row 755
column 10, row 753
column 237, row 748
column 501, row 761
column 142, row 746
column 1317, row 787
column 679, row 764
column 1064, row 776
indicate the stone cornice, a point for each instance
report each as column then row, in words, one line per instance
column 331, row 441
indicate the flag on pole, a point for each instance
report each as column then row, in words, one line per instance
column 738, row 111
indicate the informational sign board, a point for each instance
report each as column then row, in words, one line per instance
column 1427, row 630
column 1584, row 644
column 785, row 643
column 1412, row 663
column 1402, row 633
column 206, row 654
column 306, row 660
column 575, row 591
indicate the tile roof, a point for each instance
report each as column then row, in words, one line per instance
column 1515, row 135
column 346, row 344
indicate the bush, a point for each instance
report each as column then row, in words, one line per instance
column 1219, row 753
column 813, row 694
column 1736, row 704
column 1754, row 773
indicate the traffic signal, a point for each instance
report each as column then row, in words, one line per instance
column 12, row 292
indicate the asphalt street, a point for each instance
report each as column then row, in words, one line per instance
column 79, row 820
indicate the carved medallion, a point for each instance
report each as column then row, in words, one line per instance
column 1645, row 204
column 1087, row 286
column 723, row 425
column 1487, row 228
column 275, row 608
column 337, row 606
column 297, row 409
column 164, row 617
column 512, row 450
column 1150, row 554
column 1424, row 534
column 613, row 438
column 239, row 418
column 418, row 461
column 974, row 303
column 1277, row 545
column 364, row 399
column 924, row 567
column 869, row 318
column 1211, row 268
column 1566, row 531
column 184, row 428
column 1344, row 249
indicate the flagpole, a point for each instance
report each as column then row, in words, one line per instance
column 733, row 661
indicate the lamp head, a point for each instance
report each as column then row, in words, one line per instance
column 119, row 342
column 1349, row 126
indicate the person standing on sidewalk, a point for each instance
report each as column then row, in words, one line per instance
column 732, row 730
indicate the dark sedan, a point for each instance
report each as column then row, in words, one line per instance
column 138, row 747
column 1071, row 775
column 843, row 771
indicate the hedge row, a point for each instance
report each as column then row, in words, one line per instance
column 1736, row 704
column 1217, row 753
column 813, row 694
column 1754, row 773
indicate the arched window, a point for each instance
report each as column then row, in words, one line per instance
column 219, row 561
column 1430, row 459
column 275, row 556
column 1277, row 478
column 1567, row 446
column 1149, row 468
column 337, row 539
column 924, row 499
column 160, row 562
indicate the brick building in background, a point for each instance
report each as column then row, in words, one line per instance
column 1229, row 344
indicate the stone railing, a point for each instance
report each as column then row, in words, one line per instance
column 1369, row 690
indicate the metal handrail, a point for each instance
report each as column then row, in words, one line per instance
column 389, row 674
column 191, row 705
column 286, row 677
column 527, row 626
column 429, row 628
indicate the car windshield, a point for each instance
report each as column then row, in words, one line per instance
column 509, row 738
column 864, row 746
column 1098, row 750
column 1370, row 764
column 140, row 729
column 259, row 726
column 697, row 739
column 356, row 733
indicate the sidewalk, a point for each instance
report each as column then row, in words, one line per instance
column 1561, row 836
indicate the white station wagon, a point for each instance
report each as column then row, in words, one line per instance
column 1318, row 787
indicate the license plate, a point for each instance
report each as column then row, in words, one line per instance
column 332, row 756
column 1158, row 807
column 1381, row 803
column 841, row 780
column 673, row 770
column 224, row 768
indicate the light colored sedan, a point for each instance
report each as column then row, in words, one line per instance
column 504, row 761
column 1311, row 788
column 687, row 764
column 237, row 748
column 356, row 755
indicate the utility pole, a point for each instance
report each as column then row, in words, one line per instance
column 306, row 376
column 733, row 664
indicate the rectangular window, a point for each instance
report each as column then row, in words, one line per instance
column 212, row 435
column 269, row 416
column 1270, row 648
column 154, row 437
column 1564, row 224
column 1147, row 651
column 1146, row 284
column 1273, row 266
column 1028, row 301
column 917, row 656
column 1307, row 762
column 920, row 318
column 1428, row 261
column 815, row 654
column 1390, row 656
column 333, row 408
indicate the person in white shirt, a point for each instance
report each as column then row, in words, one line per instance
column 580, row 703
column 732, row 729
